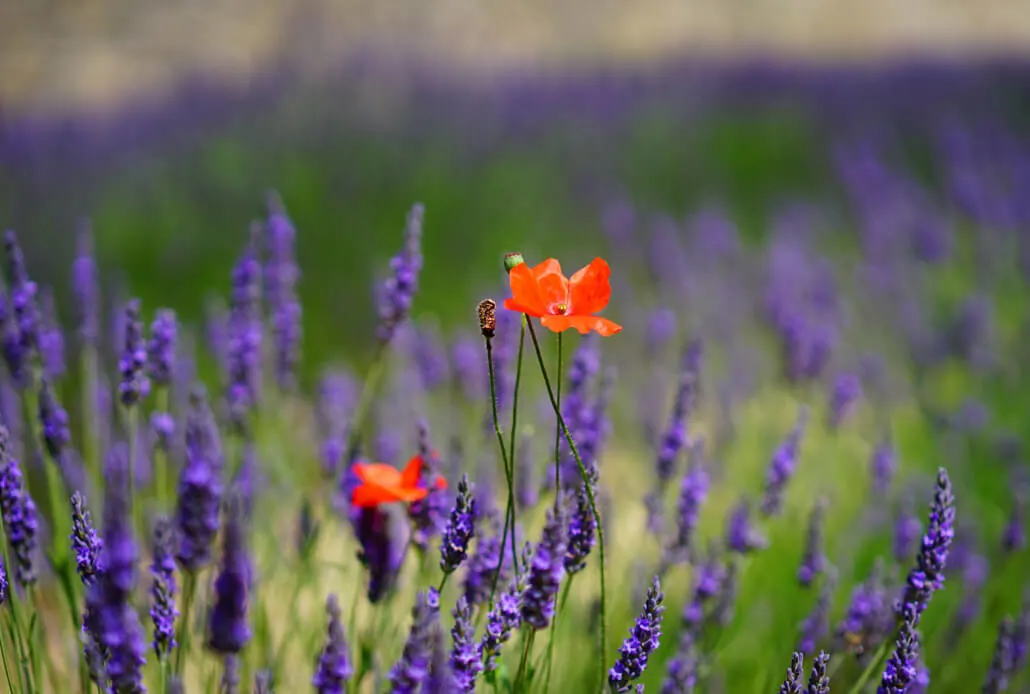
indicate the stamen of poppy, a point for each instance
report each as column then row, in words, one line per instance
column 561, row 309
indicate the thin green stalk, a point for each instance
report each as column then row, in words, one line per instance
column 189, row 589
column 14, row 601
column 590, row 495
column 527, row 648
column 281, row 651
column 44, row 642
column 443, row 582
column 15, row 638
column 554, row 628
column 7, row 671
column 164, row 676
column 557, row 428
column 873, row 666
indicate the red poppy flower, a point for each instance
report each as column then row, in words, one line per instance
column 384, row 484
column 562, row 303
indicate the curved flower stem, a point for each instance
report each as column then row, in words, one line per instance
column 589, row 490
column 188, row 590
column 872, row 666
column 507, row 456
column 527, row 648
column 160, row 456
column 554, row 628
column 7, row 671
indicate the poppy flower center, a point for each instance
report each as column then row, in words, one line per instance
column 561, row 309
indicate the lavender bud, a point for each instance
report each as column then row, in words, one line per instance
column 503, row 619
column 814, row 560
column 794, row 684
column 243, row 351
column 643, row 640
column 85, row 541
column 901, row 667
column 398, row 292
column 163, row 611
column 466, row 657
column 1014, row 537
column 928, row 574
column 782, row 467
column 334, row 667
column 546, row 571
column 382, row 549
column 847, row 389
column 816, row 625
column 281, row 274
column 1002, row 662
column 54, row 419
column 200, row 486
column 819, row 682
column 884, row 465
column 461, row 527
column 51, row 338
column 413, row 667
column 19, row 515
column 483, row 565
column 682, row 673
column 228, row 630
column 161, row 348
column 582, row 533
column 741, row 535
column 134, row 386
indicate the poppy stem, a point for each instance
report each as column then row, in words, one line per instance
column 587, row 485
column 557, row 428
column 368, row 390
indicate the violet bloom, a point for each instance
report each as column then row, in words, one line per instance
column 901, row 667
column 243, row 351
column 816, row 625
column 504, row 618
column 582, row 532
column 228, row 630
column 545, row 574
column 1013, row 538
column 23, row 308
column 847, row 389
column 382, row 550
column 681, row 674
column 85, row 541
column 163, row 611
column 200, row 486
column 428, row 515
column 398, row 292
column 161, row 348
column 281, row 275
column 51, row 337
column 86, row 286
column 466, row 657
column 111, row 620
column 1002, row 662
column 883, row 465
column 134, row 385
column 795, row 682
column 162, row 428
column 440, row 679
column 642, row 642
column 819, row 681
column 741, row 535
column 54, row 418
column 693, row 492
column 483, row 564
column 334, row 666
column 928, row 574
column 813, row 562
column 4, row 586
column 675, row 436
column 869, row 616
column 782, row 466
column 461, row 527
column 411, row 670
column 708, row 578
column 19, row 515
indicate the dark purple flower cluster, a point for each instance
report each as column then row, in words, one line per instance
column 243, row 351
column 901, row 671
column 504, row 617
column 19, row 515
column 466, row 659
column 408, row 674
column 813, row 562
column 642, row 642
column 1002, row 663
column 461, row 527
column 546, row 571
column 134, row 385
column 819, row 681
column 928, row 574
column 795, row 682
column 200, row 486
column 161, row 348
column 847, row 389
column 782, row 467
column 334, row 667
column 693, row 492
column 428, row 515
column 228, row 629
column 382, row 550
column 281, row 275
column 398, row 292
column 741, row 535
column 54, row 419
column 163, row 611
column 708, row 578
column 21, row 333
column 111, row 621
column 162, row 427
column 682, row 671
column 483, row 564
column 869, row 616
column 85, row 541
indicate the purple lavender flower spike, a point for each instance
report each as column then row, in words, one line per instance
column 847, row 389
column 334, row 666
column 243, row 351
column 281, row 275
column 86, row 286
column 682, row 673
column 230, row 682
column 675, row 436
column 200, row 486
column 21, row 334
column 54, row 419
column 741, row 535
column 398, row 292
column 51, row 337
column 906, row 533
column 382, row 548
column 1021, row 636
column 819, row 681
column 816, row 625
column 1001, row 669
column 901, row 667
column 85, row 541
column 162, row 428
column 19, row 515
column 110, row 618
column 161, row 348
column 726, row 600
column 869, row 616
column 466, row 656
column 262, row 682
column 482, row 566
column 582, row 532
column 813, row 562
column 693, row 492
column 228, row 630
column 782, row 466
column 795, row 682
column 642, row 642
column 1013, row 538
column 428, row 515
column 461, row 527
column 503, row 619
column 163, row 611
column 927, row 576
column 134, row 385
column 546, row 571
column 884, row 465
column 708, row 580
column 411, row 670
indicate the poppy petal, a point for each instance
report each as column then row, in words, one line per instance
column 525, row 292
column 409, row 495
column 586, row 324
column 552, row 285
column 556, row 324
column 590, row 289
column 367, row 496
column 378, row 474
column 412, row 472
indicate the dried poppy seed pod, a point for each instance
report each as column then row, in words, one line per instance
column 512, row 260
column 487, row 310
